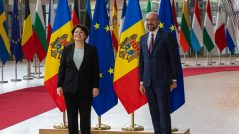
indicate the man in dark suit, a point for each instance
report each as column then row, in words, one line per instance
column 159, row 59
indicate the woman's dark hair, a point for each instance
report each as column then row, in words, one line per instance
column 83, row 28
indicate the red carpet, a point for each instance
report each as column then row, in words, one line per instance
column 205, row 70
column 23, row 104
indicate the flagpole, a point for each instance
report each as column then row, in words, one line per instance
column 208, row 59
column 16, row 79
column 63, row 125
column 39, row 72
column 101, row 126
column 185, row 63
column 220, row 63
column 230, row 59
column 133, row 126
column 28, row 76
column 2, row 81
column 196, row 59
column 35, row 66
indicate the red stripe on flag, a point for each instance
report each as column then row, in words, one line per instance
column 28, row 48
column 115, row 42
column 220, row 38
column 127, row 90
column 208, row 10
column 196, row 11
column 183, row 42
column 51, row 86
column 49, row 30
column 75, row 19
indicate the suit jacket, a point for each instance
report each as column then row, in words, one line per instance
column 84, row 79
column 161, row 66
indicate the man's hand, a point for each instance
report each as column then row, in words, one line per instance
column 59, row 91
column 173, row 85
column 142, row 89
column 95, row 92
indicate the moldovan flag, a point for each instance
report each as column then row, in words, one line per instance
column 50, row 21
column 126, row 76
column 177, row 97
column 4, row 40
column 184, row 31
column 60, row 37
column 115, row 31
column 208, row 34
column 40, row 42
column 230, row 35
column 196, row 32
column 27, row 35
column 220, row 35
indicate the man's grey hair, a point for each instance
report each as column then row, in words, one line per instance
column 152, row 12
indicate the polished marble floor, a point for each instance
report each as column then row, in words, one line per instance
column 212, row 104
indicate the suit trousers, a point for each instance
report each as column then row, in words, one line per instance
column 77, row 102
column 159, row 106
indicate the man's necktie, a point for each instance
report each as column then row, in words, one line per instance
column 151, row 44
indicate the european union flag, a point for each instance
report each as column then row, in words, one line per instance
column 16, row 47
column 166, row 23
column 100, row 37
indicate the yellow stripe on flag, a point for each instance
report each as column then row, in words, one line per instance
column 125, row 63
column 3, row 33
column 61, row 36
column 27, row 30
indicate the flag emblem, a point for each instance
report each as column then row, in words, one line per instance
column 57, row 46
column 129, row 48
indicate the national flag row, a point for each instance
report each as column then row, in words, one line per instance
column 204, row 35
column 33, row 39
column 119, row 78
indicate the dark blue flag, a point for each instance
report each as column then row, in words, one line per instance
column 16, row 47
column 166, row 23
column 100, row 37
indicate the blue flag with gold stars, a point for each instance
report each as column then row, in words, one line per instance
column 100, row 37
column 166, row 23
column 16, row 47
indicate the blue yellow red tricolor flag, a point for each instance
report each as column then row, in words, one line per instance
column 100, row 37
column 4, row 40
column 126, row 77
column 166, row 23
column 60, row 37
